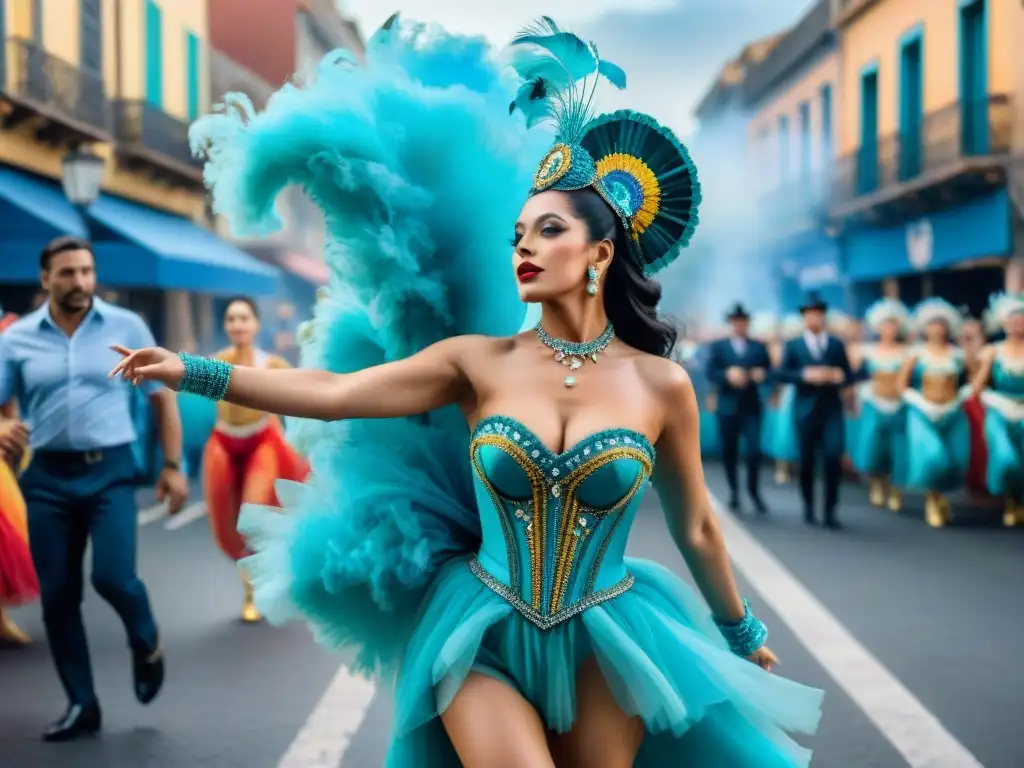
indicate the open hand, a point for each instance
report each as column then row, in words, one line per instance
column 13, row 438
column 149, row 364
column 172, row 487
column 764, row 658
column 758, row 375
column 736, row 376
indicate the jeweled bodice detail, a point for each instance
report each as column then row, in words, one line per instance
column 555, row 524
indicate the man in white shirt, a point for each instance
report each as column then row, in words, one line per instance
column 817, row 365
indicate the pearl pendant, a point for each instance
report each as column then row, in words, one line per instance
column 569, row 381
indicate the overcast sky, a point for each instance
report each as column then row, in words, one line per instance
column 670, row 49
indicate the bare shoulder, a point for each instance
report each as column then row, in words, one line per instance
column 469, row 350
column 277, row 362
column 227, row 355
column 666, row 379
column 988, row 352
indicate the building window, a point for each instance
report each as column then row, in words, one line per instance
column 192, row 80
column 90, row 35
column 826, row 124
column 154, row 35
column 911, row 104
column 974, row 77
column 805, row 140
column 867, row 155
column 783, row 147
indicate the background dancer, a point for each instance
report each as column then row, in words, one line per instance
column 880, row 450
column 738, row 366
column 1000, row 382
column 938, row 436
column 817, row 366
column 247, row 452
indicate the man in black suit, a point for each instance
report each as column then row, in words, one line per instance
column 817, row 365
column 737, row 367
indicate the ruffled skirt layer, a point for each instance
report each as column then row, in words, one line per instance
column 881, row 443
column 656, row 646
column 18, row 581
column 938, row 449
column 1005, row 472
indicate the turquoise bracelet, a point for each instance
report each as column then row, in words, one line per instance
column 205, row 376
column 745, row 636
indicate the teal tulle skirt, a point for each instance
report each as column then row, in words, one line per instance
column 656, row 646
column 881, row 445
column 1005, row 440
column 938, row 449
column 710, row 445
column 781, row 441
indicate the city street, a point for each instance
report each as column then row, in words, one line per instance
column 914, row 634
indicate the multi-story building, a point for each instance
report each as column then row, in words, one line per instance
column 791, row 97
column 121, row 78
column 926, row 129
column 255, row 54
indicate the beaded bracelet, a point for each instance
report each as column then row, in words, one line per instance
column 205, row 376
column 745, row 636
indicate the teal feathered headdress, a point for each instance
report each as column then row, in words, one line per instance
column 639, row 167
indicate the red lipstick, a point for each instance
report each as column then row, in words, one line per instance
column 527, row 271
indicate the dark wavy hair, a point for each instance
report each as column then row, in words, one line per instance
column 630, row 298
column 250, row 302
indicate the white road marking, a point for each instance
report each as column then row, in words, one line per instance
column 189, row 514
column 152, row 514
column 908, row 725
column 337, row 717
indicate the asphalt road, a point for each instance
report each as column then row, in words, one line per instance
column 939, row 610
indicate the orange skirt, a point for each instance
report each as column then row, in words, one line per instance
column 243, row 470
column 18, row 581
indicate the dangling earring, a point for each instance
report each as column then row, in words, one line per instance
column 592, row 275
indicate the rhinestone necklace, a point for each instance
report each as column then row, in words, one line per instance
column 573, row 354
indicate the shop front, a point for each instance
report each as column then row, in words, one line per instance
column 958, row 254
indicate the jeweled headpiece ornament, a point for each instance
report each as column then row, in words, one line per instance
column 639, row 167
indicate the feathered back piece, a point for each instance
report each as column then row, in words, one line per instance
column 887, row 310
column 639, row 167
column 1002, row 305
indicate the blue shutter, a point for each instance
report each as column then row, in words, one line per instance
column 192, row 74
column 867, row 155
column 154, row 55
column 826, row 124
column 783, row 148
column 974, row 77
column 911, row 104
column 805, row 141
column 90, row 35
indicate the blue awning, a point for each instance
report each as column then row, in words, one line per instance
column 163, row 251
column 33, row 211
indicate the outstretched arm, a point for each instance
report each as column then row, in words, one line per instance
column 427, row 380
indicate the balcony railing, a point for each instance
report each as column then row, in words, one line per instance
column 949, row 136
column 53, row 87
column 142, row 128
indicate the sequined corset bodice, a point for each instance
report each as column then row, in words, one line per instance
column 555, row 525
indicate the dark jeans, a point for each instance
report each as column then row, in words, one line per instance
column 821, row 434
column 732, row 427
column 72, row 497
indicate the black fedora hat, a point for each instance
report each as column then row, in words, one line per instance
column 814, row 302
column 738, row 312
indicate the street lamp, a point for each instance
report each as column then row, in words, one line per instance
column 81, row 177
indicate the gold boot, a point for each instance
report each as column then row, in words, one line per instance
column 895, row 500
column 876, row 492
column 933, row 511
column 250, row 613
column 10, row 632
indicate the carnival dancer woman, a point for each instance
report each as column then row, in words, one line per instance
column 938, row 436
column 1000, row 382
column 247, row 452
column 880, row 451
column 487, row 563
column 782, row 444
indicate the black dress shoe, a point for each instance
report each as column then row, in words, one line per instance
column 80, row 720
column 148, row 674
column 759, row 505
column 833, row 524
column 734, row 505
column 809, row 517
